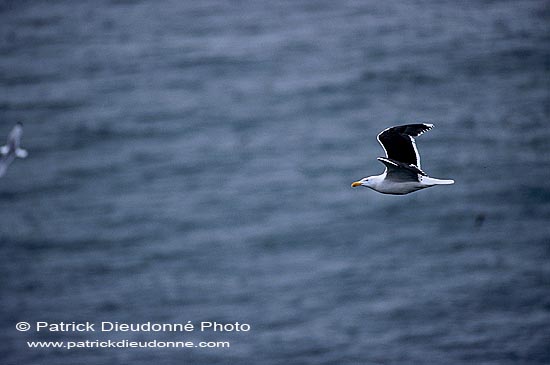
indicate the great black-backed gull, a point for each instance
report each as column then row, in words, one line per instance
column 11, row 150
column 403, row 174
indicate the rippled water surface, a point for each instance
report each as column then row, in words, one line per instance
column 193, row 160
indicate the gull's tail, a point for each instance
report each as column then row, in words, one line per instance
column 430, row 181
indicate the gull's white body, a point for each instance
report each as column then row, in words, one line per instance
column 11, row 150
column 380, row 184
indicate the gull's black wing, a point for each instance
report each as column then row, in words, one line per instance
column 398, row 142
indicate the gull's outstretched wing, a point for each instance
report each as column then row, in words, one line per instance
column 399, row 145
column 14, row 138
column 3, row 166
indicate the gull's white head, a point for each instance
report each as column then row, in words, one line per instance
column 369, row 182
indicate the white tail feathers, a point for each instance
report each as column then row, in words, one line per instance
column 432, row 181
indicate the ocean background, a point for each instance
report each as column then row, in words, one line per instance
column 192, row 161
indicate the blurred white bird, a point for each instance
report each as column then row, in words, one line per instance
column 11, row 150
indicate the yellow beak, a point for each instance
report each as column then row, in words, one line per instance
column 356, row 184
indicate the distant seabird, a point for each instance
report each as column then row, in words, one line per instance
column 11, row 150
column 403, row 174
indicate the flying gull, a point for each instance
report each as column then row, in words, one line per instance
column 11, row 150
column 403, row 174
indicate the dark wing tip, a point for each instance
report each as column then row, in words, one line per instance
column 414, row 130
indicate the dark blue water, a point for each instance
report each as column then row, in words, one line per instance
column 192, row 161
